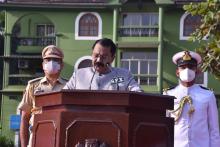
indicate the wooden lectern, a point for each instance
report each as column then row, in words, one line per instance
column 82, row 118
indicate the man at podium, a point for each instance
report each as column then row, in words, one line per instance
column 101, row 76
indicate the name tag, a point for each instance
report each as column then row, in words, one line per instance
column 117, row 80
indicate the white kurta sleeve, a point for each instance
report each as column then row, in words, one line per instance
column 213, row 122
column 71, row 84
column 132, row 84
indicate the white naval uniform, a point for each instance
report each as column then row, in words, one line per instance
column 116, row 79
column 202, row 128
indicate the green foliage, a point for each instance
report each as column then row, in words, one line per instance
column 4, row 142
column 209, row 29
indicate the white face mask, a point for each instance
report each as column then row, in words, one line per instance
column 187, row 75
column 51, row 67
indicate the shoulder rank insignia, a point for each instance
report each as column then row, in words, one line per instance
column 64, row 79
column 206, row 88
column 35, row 80
column 169, row 88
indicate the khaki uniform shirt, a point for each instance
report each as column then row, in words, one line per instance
column 38, row 86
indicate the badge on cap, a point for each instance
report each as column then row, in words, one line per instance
column 187, row 56
column 52, row 51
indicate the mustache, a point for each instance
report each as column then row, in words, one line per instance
column 100, row 64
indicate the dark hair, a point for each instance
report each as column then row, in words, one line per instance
column 106, row 43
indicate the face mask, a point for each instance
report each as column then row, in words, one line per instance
column 187, row 75
column 51, row 67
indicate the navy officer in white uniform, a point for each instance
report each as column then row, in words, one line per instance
column 101, row 76
column 195, row 110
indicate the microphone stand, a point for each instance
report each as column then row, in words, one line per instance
column 92, row 78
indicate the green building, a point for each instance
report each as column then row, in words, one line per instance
column 147, row 33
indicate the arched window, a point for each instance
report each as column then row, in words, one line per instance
column 188, row 24
column 88, row 26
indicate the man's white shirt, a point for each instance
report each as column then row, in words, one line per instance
column 201, row 129
column 117, row 79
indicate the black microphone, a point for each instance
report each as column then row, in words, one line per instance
column 117, row 86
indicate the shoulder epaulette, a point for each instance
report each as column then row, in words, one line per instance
column 35, row 80
column 169, row 88
column 206, row 88
column 64, row 79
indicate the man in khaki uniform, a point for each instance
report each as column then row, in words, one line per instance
column 52, row 66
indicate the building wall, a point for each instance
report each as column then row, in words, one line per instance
column 64, row 22
column 149, row 7
column 65, row 25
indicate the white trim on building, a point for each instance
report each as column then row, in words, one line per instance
column 182, row 27
column 80, row 60
column 205, row 80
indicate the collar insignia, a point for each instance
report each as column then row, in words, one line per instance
column 117, row 80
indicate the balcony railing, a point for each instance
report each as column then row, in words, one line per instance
column 130, row 31
column 34, row 41
column 55, row 1
column 187, row 1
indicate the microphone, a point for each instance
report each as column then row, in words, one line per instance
column 90, row 84
column 117, row 82
column 99, row 63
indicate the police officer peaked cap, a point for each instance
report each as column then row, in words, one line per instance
column 187, row 57
column 51, row 51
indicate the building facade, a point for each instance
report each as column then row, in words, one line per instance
column 147, row 33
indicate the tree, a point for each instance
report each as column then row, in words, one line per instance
column 209, row 30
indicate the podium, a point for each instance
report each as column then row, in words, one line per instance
column 83, row 118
